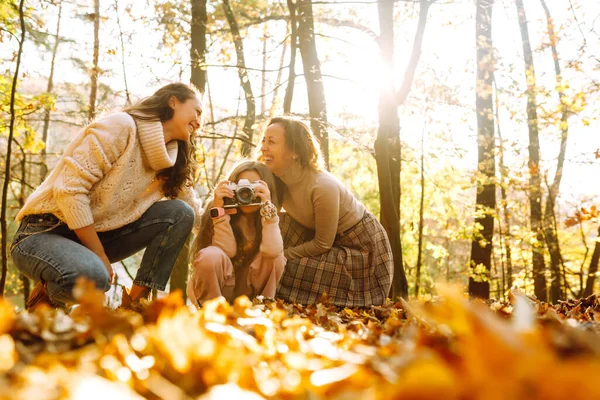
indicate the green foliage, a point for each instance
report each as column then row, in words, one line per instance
column 25, row 105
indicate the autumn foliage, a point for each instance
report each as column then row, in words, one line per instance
column 444, row 348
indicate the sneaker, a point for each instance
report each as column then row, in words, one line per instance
column 136, row 305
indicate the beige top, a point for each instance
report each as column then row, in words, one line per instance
column 106, row 176
column 319, row 201
column 270, row 247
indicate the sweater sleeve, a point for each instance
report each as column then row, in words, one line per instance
column 223, row 236
column 188, row 194
column 272, row 241
column 326, row 203
column 104, row 141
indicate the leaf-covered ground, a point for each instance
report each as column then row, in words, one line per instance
column 448, row 348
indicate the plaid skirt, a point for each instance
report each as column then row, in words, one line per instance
column 356, row 272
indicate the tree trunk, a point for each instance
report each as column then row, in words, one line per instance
column 244, row 79
column 22, row 196
column 198, row 78
column 557, row 292
column 289, row 92
column 503, row 199
column 481, row 247
column 421, row 210
column 179, row 276
column 275, row 101
column 11, row 129
column 387, row 145
column 127, row 96
column 95, row 70
column 312, row 74
column 263, row 78
column 198, row 48
column 593, row 269
column 535, row 187
column 49, row 88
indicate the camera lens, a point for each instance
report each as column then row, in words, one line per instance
column 244, row 195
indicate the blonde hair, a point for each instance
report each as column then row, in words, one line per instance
column 300, row 139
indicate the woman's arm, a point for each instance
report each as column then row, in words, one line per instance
column 326, row 203
column 89, row 238
column 272, row 241
column 223, row 236
column 188, row 194
column 271, row 245
column 104, row 142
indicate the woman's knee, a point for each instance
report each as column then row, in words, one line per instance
column 62, row 281
column 180, row 210
column 101, row 278
column 209, row 259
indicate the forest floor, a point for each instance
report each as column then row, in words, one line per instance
column 447, row 347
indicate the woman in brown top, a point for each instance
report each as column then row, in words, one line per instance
column 333, row 245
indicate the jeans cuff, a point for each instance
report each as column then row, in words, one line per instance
column 151, row 285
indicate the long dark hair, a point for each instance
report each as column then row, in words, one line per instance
column 157, row 106
column 207, row 229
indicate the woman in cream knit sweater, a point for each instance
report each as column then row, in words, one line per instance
column 102, row 201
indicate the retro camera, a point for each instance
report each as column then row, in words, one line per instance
column 243, row 194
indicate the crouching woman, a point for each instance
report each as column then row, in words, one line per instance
column 241, row 253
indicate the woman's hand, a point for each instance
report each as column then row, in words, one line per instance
column 222, row 191
column 263, row 192
column 109, row 269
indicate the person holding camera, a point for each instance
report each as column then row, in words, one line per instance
column 333, row 245
column 239, row 250
column 105, row 200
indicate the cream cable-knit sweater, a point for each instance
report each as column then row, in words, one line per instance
column 106, row 176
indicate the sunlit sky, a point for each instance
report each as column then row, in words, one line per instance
column 446, row 70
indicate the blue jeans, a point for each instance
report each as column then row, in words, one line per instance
column 45, row 249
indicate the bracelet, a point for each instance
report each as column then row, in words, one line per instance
column 268, row 211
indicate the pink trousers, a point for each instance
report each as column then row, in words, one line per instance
column 213, row 276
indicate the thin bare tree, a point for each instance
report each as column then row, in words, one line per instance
column 421, row 215
column 95, row 69
column 289, row 92
column 557, row 291
column 593, row 269
column 504, row 232
column 11, row 133
column 279, row 77
column 49, row 89
column 198, row 47
column 244, row 79
column 317, row 106
column 127, row 95
column 535, row 184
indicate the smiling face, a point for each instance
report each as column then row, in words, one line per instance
column 186, row 118
column 275, row 152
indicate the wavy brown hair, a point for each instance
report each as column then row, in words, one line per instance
column 157, row 107
column 300, row 139
column 207, row 229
